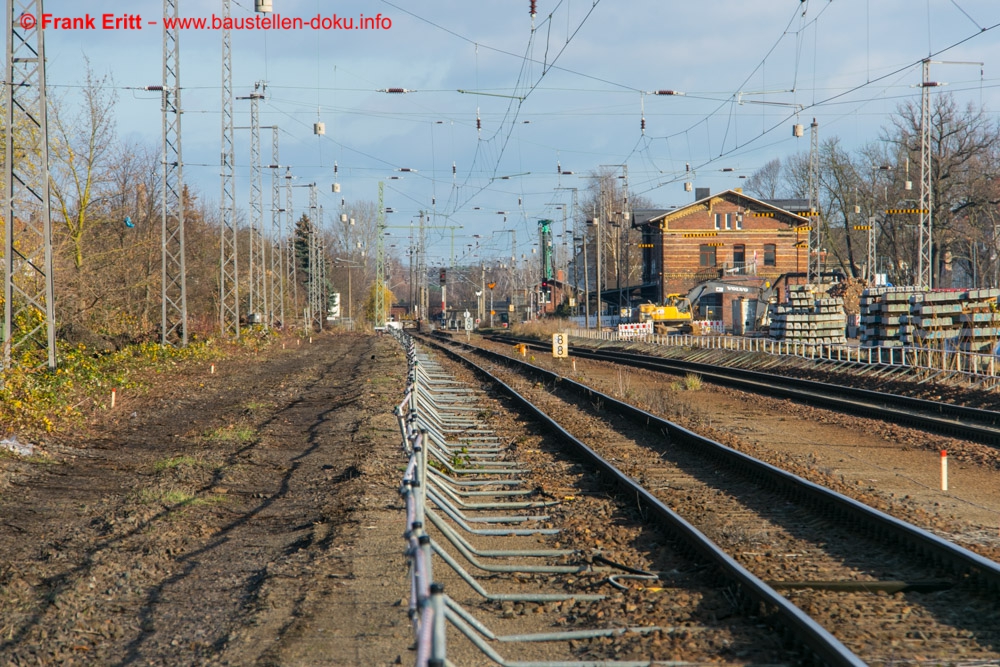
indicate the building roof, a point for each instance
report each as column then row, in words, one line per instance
column 658, row 216
column 793, row 205
column 641, row 216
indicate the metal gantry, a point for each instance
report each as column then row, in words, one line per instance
column 28, row 300
column 229, row 285
column 174, row 278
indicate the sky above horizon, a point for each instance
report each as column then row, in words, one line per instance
column 501, row 103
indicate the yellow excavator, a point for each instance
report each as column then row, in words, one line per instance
column 678, row 310
column 674, row 311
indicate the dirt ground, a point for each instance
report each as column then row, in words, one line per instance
column 251, row 516
column 219, row 519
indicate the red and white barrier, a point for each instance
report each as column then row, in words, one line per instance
column 635, row 330
column 712, row 326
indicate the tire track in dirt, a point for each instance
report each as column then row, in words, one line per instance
column 161, row 539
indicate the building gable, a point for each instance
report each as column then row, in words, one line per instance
column 698, row 214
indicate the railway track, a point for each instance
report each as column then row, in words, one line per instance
column 958, row 421
column 887, row 590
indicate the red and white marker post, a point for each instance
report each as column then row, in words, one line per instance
column 944, row 469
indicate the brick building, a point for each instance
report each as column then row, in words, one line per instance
column 728, row 236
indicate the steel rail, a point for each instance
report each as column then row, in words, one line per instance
column 981, row 426
column 961, row 560
column 818, row 641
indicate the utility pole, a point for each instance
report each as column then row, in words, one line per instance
column 380, row 263
column 871, row 251
column 482, row 290
column 27, row 251
column 173, row 292
column 422, row 270
column 513, row 270
column 586, row 279
column 412, row 296
column 626, row 234
column 600, row 281
column 815, row 261
column 576, row 287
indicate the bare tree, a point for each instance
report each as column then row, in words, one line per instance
column 964, row 164
column 81, row 147
column 766, row 182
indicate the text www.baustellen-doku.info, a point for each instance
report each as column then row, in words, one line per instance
column 213, row 22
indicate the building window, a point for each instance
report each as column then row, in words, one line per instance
column 706, row 255
column 729, row 220
column 739, row 254
column 770, row 254
column 710, row 307
column 718, row 221
column 739, row 221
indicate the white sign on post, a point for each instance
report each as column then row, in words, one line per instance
column 560, row 345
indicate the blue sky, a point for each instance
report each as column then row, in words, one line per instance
column 571, row 93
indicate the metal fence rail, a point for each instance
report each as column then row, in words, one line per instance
column 979, row 369
column 456, row 469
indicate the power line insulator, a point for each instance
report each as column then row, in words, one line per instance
column 534, row 8
column 642, row 125
column 479, row 123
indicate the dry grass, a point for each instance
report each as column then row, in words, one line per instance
column 542, row 329
column 692, row 382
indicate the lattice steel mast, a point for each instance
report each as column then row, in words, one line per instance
column 315, row 289
column 229, row 285
column 291, row 267
column 276, row 277
column 258, row 292
column 323, row 298
column 925, row 256
column 29, row 307
column 174, row 279
column 815, row 253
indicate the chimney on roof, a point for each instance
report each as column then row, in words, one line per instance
column 701, row 193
